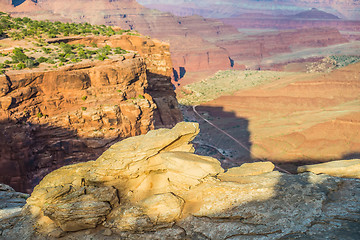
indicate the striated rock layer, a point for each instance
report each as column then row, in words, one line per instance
column 255, row 48
column 153, row 187
column 53, row 118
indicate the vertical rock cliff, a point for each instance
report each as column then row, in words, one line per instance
column 53, row 118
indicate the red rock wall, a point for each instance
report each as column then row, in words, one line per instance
column 54, row 118
column 260, row 46
column 288, row 23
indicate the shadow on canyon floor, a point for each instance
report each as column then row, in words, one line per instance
column 30, row 151
column 234, row 152
column 17, row 2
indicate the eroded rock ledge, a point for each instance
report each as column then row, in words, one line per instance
column 153, row 187
column 52, row 118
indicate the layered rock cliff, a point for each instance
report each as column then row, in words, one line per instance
column 153, row 187
column 347, row 9
column 259, row 46
column 53, row 118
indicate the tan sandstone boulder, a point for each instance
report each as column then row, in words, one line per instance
column 138, row 179
column 342, row 168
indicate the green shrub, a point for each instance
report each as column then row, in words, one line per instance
column 42, row 59
column 30, row 63
column 119, row 50
column 20, row 66
column 19, row 55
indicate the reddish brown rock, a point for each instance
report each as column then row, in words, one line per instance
column 256, row 47
column 53, row 118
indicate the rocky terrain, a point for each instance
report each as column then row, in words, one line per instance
column 54, row 117
column 153, row 187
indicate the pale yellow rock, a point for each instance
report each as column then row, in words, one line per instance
column 163, row 208
column 242, row 173
column 341, row 168
column 214, row 197
column 150, row 173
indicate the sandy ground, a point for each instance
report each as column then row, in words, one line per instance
column 295, row 119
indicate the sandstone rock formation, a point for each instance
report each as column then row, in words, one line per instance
column 344, row 168
column 153, row 187
column 53, row 118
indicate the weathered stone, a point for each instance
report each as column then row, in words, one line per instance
column 4, row 85
column 342, row 168
column 6, row 102
column 163, row 208
column 153, row 187
column 79, row 110
column 76, row 209
column 246, row 171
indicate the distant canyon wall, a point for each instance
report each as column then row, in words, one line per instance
column 347, row 9
column 196, row 43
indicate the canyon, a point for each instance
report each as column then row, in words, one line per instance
column 95, row 147
column 74, row 113
column 198, row 44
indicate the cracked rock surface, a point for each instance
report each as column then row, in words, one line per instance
column 153, row 187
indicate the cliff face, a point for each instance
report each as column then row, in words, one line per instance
column 264, row 45
column 347, row 9
column 53, row 118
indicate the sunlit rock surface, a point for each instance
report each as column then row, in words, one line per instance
column 153, row 187
column 344, row 168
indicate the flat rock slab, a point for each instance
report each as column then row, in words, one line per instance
column 341, row 168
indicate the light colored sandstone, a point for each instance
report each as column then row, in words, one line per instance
column 163, row 208
column 150, row 171
column 246, row 171
column 342, row 168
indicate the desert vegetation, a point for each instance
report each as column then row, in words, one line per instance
column 330, row 63
column 225, row 83
column 38, row 52
column 21, row 28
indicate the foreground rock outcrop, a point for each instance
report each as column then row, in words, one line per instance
column 153, row 187
column 52, row 118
